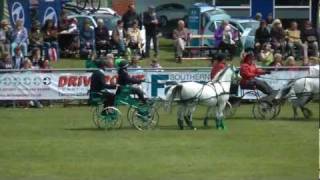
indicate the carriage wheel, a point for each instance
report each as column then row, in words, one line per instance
column 145, row 119
column 97, row 117
column 129, row 115
column 229, row 110
column 263, row 110
column 112, row 118
column 95, row 4
column 81, row 4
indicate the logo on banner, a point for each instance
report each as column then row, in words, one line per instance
column 50, row 13
column 17, row 13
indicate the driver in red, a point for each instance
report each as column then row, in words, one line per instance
column 218, row 65
column 249, row 72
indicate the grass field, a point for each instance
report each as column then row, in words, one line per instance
column 62, row 144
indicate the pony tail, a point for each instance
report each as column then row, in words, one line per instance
column 175, row 92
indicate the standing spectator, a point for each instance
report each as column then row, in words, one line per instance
column 278, row 36
column 294, row 40
column 102, row 38
column 151, row 23
column 5, row 34
column 225, row 38
column 6, row 61
column 118, row 37
column 129, row 17
column 277, row 62
column 262, row 35
column 134, row 39
column 35, row 36
column 20, row 38
column 87, row 38
column 218, row 65
column 36, row 58
column 17, row 59
column 50, row 39
column 258, row 16
column 310, row 39
column 180, row 37
column 266, row 55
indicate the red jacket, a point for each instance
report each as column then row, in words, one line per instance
column 248, row 72
column 217, row 68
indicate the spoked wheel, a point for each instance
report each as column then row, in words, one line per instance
column 229, row 110
column 95, row 4
column 112, row 118
column 81, row 4
column 145, row 118
column 263, row 110
column 96, row 116
column 130, row 114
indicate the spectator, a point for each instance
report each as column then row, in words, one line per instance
column 278, row 36
column 63, row 21
column 129, row 17
column 258, row 17
column 180, row 37
column 294, row 40
column 36, row 58
column 225, row 38
column 17, row 59
column 134, row 39
column 262, row 35
column 35, row 36
column 151, row 24
column 50, row 39
column 269, row 19
column 310, row 39
column 218, row 65
column 87, row 38
column 6, row 62
column 291, row 62
column 45, row 65
column 91, row 61
column 277, row 62
column 134, row 63
column 155, row 64
column 118, row 37
column 266, row 55
column 102, row 38
column 109, row 61
column 5, row 33
column 26, row 64
column 20, row 38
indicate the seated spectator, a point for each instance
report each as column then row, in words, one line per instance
column 269, row 20
column 134, row 63
column 109, row 61
column 218, row 65
column 5, row 33
column 87, row 38
column 63, row 21
column 180, row 37
column 266, row 55
column 262, row 36
column 36, row 58
column 26, row 64
column 20, row 38
column 118, row 38
column 102, row 38
column 50, row 40
column 6, row 61
column 278, row 36
column 17, row 59
column 294, row 40
column 45, row 65
column 225, row 38
column 134, row 38
column 72, row 27
column 35, row 36
column 277, row 62
column 155, row 64
column 291, row 62
column 310, row 38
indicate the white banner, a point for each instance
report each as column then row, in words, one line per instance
column 75, row 85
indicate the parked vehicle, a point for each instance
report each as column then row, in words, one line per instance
column 171, row 11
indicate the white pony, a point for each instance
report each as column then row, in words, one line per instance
column 214, row 94
column 304, row 89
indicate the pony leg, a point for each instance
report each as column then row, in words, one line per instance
column 295, row 112
column 220, row 117
column 188, row 117
column 180, row 119
column 206, row 119
column 302, row 102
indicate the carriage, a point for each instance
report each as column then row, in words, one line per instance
column 140, row 116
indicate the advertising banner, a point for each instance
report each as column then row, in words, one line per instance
column 19, row 10
column 49, row 9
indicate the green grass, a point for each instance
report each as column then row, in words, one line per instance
column 62, row 144
column 166, row 59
